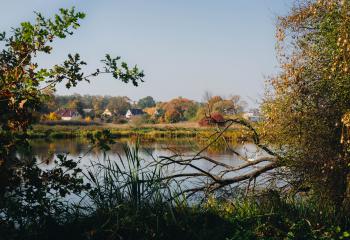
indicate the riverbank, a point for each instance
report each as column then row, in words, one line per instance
column 144, row 132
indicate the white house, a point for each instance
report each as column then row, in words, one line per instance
column 134, row 112
column 68, row 114
column 87, row 110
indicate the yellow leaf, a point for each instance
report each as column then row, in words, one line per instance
column 22, row 103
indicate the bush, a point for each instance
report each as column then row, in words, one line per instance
column 120, row 121
column 215, row 118
column 51, row 117
column 138, row 121
column 87, row 119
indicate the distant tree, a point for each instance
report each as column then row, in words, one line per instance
column 176, row 109
column 50, row 103
column 146, row 102
column 76, row 104
column 191, row 112
column 172, row 115
column 209, row 104
column 233, row 105
column 99, row 104
column 86, row 101
column 201, row 113
column 119, row 105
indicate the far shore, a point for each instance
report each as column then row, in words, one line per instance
column 146, row 131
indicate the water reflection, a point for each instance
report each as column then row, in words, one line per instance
column 46, row 150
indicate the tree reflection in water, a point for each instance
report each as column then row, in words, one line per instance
column 46, row 150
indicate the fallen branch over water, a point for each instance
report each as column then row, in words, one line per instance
column 221, row 175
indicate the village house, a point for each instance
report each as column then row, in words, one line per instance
column 134, row 112
column 87, row 110
column 107, row 113
column 230, row 111
column 252, row 115
column 68, row 114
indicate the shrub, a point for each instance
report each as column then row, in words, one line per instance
column 138, row 121
column 119, row 120
column 51, row 117
column 215, row 118
column 88, row 119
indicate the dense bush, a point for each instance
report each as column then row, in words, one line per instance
column 215, row 119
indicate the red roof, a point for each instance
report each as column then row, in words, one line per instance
column 67, row 112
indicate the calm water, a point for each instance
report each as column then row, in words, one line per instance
column 46, row 150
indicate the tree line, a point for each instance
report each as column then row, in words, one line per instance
column 179, row 109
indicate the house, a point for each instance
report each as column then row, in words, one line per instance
column 252, row 115
column 68, row 114
column 230, row 111
column 134, row 112
column 107, row 113
column 87, row 110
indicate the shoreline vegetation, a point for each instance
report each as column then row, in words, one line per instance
column 146, row 132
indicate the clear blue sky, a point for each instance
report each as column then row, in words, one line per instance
column 186, row 47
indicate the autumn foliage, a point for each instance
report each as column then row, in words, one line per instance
column 214, row 119
column 178, row 109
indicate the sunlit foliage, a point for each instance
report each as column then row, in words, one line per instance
column 308, row 99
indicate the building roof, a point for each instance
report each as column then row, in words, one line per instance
column 67, row 112
column 87, row 110
column 136, row 111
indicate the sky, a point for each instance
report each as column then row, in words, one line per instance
column 185, row 47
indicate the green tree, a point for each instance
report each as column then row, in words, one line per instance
column 99, row 104
column 24, row 86
column 233, row 105
column 172, row 115
column 146, row 102
column 76, row 104
column 191, row 112
column 119, row 105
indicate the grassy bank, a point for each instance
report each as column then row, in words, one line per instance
column 147, row 132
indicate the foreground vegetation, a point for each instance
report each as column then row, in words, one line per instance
column 245, row 219
column 124, row 201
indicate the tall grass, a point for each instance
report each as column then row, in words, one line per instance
column 128, row 180
column 134, row 204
